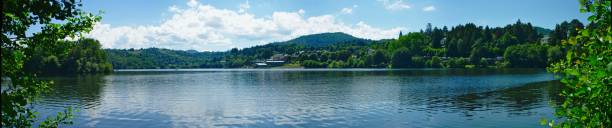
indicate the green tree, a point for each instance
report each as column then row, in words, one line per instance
column 554, row 54
column 313, row 64
column 436, row 38
column 587, row 72
column 377, row 59
column 526, row 55
column 457, row 62
column 18, row 16
column 401, row 58
column 417, row 62
column 477, row 52
column 563, row 31
column 87, row 57
column 415, row 42
column 83, row 56
column 507, row 40
column 435, row 62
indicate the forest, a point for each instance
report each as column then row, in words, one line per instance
column 518, row 45
column 73, row 57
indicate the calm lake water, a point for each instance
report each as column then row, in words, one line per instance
column 444, row 98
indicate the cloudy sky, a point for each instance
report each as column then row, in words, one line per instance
column 218, row 25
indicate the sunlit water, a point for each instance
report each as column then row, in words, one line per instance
column 443, row 98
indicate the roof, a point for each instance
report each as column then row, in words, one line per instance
column 275, row 61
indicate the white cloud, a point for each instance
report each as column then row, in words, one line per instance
column 244, row 6
column 429, row 8
column 192, row 3
column 207, row 28
column 395, row 5
column 348, row 10
column 173, row 8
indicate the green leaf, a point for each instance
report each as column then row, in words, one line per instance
column 543, row 121
column 568, row 56
column 592, row 18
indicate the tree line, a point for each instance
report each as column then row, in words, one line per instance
column 70, row 57
column 517, row 45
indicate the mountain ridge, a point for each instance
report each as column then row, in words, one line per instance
column 323, row 39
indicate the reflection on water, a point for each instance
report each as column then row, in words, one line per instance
column 306, row 98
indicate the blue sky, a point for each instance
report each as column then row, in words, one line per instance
column 216, row 25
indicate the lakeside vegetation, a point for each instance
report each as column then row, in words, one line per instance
column 75, row 57
column 518, row 45
column 587, row 72
column 58, row 20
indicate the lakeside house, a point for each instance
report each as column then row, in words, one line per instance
column 273, row 61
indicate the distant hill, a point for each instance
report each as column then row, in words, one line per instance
column 324, row 39
column 322, row 50
column 154, row 58
column 542, row 31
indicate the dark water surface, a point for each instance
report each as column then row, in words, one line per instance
column 444, row 98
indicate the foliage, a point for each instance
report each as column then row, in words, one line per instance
column 457, row 62
column 554, row 54
column 19, row 46
column 417, row 62
column 476, row 55
column 402, row 58
column 526, row 55
column 155, row 58
column 434, row 62
column 482, row 46
column 414, row 42
column 313, row 64
column 564, row 30
column 377, row 59
column 337, row 64
column 430, row 51
column 83, row 56
column 587, row 71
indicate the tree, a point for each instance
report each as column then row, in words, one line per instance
column 87, row 57
column 554, row 54
column 476, row 55
column 428, row 30
column 83, row 56
column 574, row 26
column 401, row 58
column 436, row 38
column 415, row 42
column 564, row 30
column 313, row 64
column 377, row 59
column 264, row 53
column 18, row 16
column 587, row 71
column 234, row 51
column 435, row 62
column 526, row 55
column 507, row 40
column 457, row 62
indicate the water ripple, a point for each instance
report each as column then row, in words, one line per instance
column 306, row 98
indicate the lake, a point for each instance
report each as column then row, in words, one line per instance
column 445, row 98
